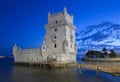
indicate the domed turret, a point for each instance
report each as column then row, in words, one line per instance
column 14, row 48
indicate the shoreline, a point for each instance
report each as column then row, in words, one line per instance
column 113, row 70
column 117, row 74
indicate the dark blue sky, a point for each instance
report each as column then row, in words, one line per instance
column 22, row 21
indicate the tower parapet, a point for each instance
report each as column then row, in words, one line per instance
column 60, row 18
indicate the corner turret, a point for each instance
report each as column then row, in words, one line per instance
column 65, row 10
column 48, row 14
column 14, row 48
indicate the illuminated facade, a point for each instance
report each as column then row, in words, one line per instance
column 58, row 44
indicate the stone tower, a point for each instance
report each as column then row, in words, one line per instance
column 59, row 41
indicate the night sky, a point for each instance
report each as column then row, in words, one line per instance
column 22, row 21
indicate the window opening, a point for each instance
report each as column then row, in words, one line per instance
column 55, row 45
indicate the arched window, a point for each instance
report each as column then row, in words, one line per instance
column 66, row 44
column 43, row 47
column 55, row 45
column 56, row 21
column 71, row 38
column 55, row 37
column 55, row 29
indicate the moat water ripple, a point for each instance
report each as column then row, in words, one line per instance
column 11, row 73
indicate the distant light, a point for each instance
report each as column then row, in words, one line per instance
column 2, row 56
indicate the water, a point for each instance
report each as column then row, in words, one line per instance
column 11, row 73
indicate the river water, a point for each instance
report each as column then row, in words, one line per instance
column 12, row 73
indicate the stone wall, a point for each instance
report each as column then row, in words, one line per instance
column 28, row 55
column 102, row 59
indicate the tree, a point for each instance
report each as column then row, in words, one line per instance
column 105, row 54
column 104, row 49
column 92, row 54
column 112, row 53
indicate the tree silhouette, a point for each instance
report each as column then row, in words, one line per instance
column 112, row 53
column 104, row 49
column 105, row 54
column 93, row 54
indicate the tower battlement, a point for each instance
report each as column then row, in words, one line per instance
column 60, row 17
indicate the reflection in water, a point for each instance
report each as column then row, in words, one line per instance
column 6, row 66
column 43, row 75
column 23, row 74
column 10, row 73
column 90, row 76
